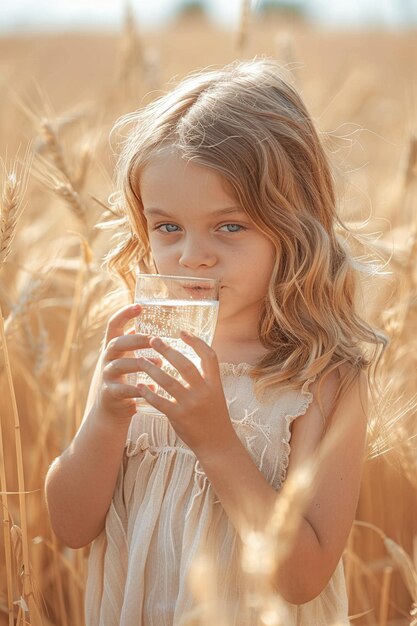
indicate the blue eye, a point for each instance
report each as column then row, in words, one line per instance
column 234, row 227
column 168, row 226
column 172, row 228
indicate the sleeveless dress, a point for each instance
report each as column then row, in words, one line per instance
column 164, row 509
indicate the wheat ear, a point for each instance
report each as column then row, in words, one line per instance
column 10, row 210
column 54, row 146
column 72, row 198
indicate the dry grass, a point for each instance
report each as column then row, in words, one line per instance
column 61, row 96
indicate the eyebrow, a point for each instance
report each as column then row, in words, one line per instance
column 225, row 211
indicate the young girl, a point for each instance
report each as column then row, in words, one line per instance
column 224, row 177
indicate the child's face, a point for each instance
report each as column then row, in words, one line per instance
column 196, row 228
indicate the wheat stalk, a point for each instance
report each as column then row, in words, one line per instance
column 11, row 207
column 31, row 290
column 410, row 162
column 27, row 580
column 16, row 537
column 284, row 42
column 405, row 565
column 203, row 585
column 287, row 514
column 400, row 558
column 243, row 28
column 384, row 602
column 6, row 528
column 132, row 59
column 11, row 203
column 83, row 166
column 413, row 614
column 67, row 348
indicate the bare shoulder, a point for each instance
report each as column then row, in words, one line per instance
column 342, row 385
column 331, row 406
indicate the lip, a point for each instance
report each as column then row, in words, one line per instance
column 198, row 286
column 197, row 289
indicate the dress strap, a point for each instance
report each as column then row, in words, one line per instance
column 302, row 403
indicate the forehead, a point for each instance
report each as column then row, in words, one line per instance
column 168, row 178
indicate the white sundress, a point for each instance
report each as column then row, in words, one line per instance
column 164, row 509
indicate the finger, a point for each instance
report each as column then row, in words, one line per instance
column 118, row 321
column 186, row 368
column 132, row 331
column 164, row 380
column 125, row 343
column 161, row 404
column 118, row 367
column 209, row 360
column 122, row 391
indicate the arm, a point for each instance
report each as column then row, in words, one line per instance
column 248, row 498
column 80, row 483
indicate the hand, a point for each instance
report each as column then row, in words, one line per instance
column 114, row 402
column 198, row 410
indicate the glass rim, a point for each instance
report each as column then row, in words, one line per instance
column 188, row 278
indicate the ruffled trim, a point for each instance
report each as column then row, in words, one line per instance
column 140, row 445
column 306, row 399
column 235, row 369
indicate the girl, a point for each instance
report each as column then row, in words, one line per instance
column 224, row 177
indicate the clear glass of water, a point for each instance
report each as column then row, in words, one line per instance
column 171, row 304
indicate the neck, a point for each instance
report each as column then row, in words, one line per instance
column 236, row 337
column 237, row 347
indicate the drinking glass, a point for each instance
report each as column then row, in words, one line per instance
column 171, row 304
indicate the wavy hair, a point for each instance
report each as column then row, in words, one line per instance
column 249, row 123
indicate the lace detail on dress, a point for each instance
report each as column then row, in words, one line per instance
column 305, row 401
column 235, row 369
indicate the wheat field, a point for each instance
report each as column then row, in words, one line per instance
column 60, row 95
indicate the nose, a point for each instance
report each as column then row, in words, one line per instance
column 197, row 252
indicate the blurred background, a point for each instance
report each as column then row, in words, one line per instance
column 68, row 70
column 40, row 15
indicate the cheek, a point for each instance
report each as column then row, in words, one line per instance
column 265, row 254
column 269, row 253
column 163, row 256
column 156, row 247
column 266, row 258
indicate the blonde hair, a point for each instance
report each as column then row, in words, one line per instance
column 249, row 123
